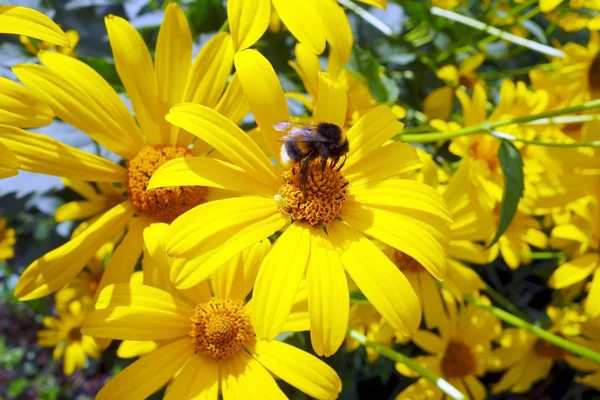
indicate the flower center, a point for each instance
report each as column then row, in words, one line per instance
column 594, row 77
column 406, row 263
column 486, row 149
column 220, row 328
column 320, row 200
column 162, row 204
column 549, row 350
column 459, row 360
column 75, row 334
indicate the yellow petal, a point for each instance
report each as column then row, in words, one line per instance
column 42, row 154
column 338, row 32
column 429, row 342
column 276, row 287
column 20, row 107
column 475, row 388
column 379, row 209
column 204, row 238
column 332, row 101
column 122, row 308
column 248, row 21
column 592, row 303
column 198, row 380
column 378, row 278
column 298, row 368
column 149, row 373
column 210, row 172
column 233, row 103
column 84, row 189
column 309, row 68
column 549, row 5
column 433, row 307
column 76, row 210
column 471, row 63
column 210, row 71
column 32, row 23
column 370, row 132
column 574, row 271
column 294, row 14
column 264, row 94
column 385, row 162
column 375, row 3
column 242, row 377
column 328, row 302
column 58, row 267
column 134, row 348
column 227, row 138
column 134, row 66
column 438, row 104
column 236, row 278
column 465, row 250
column 298, row 320
column 173, row 55
column 80, row 96
column 126, row 254
column 8, row 161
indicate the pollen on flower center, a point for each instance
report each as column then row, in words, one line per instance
column 220, row 328
column 322, row 197
column 486, row 149
column 163, row 204
column 459, row 360
column 406, row 263
column 75, row 334
column 549, row 350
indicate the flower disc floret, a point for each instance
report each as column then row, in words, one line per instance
column 459, row 360
column 220, row 328
column 322, row 197
column 163, row 204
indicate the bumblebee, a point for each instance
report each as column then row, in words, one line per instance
column 306, row 142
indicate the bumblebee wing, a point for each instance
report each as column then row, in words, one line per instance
column 299, row 133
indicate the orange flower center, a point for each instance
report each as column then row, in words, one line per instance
column 220, row 328
column 406, row 263
column 75, row 334
column 486, row 149
column 459, row 360
column 320, row 200
column 162, row 204
column 549, row 350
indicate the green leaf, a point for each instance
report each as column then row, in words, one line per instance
column 16, row 387
column 512, row 167
column 383, row 88
column 358, row 297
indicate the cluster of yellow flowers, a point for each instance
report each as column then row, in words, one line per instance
column 370, row 246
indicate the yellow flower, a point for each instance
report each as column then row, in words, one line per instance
column 357, row 199
column 459, row 354
column 7, row 241
column 64, row 334
column 80, row 96
column 34, row 47
column 360, row 101
column 249, row 19
column 570, row 18
column 208, row 344
column 26, row 21
column 447, row 4
column 528, row 358
column 439, row 103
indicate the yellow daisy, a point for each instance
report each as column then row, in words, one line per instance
column 352, row 201
column 208, row 344
column 34, row 47
column 528, row 358
column 64, row 334
column 249, row 19
column 7, row 241
column 80, row 96
column 459, row 354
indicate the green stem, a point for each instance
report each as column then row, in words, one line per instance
column 410, row 363
column 544, row 255
column 498, row 298
column 571, row 119
column 489, row 126
column 530, row 44
column 539, row 332
column 368, row 17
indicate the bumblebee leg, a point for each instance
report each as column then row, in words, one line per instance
column 323, row 164
column 304, row 172
column 342, row 164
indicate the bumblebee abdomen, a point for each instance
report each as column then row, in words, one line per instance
column 294, row 151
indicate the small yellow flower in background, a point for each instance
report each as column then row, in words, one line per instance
column 459, row 354
column 80, row 96
column 357, row 199
column 7, row 241
column 34, row 47
column 447, row 4
column 575, row 17
column 207, row 337
column 439, row 103
column 249, row 19
column 64, row 334
column 528, row 358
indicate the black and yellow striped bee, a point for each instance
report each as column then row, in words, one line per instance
column 306, row 142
